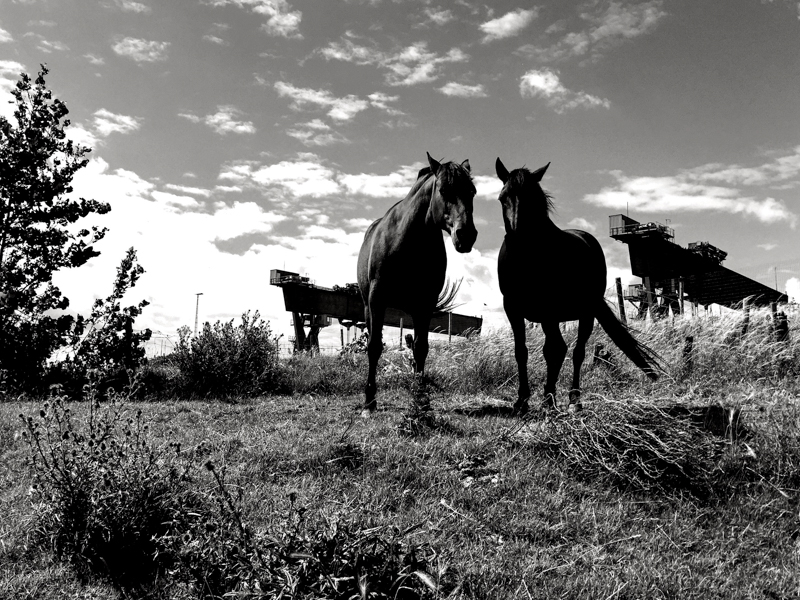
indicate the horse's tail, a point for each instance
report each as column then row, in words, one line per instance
column 447, row 297
column 641, row 355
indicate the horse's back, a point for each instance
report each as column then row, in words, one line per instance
column 364, row 258
column 553, row 279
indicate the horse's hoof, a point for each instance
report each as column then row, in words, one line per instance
column 520, row 408
column 549, row 402
column 369, row 410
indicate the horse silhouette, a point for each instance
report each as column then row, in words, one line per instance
column 402, row 261
column 536, row 260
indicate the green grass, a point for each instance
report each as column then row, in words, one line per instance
column 507, row 516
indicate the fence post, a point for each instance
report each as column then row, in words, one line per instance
column 781, row 328
column 688, row 354
column 401, row 332
column 680, row 294
column 449, row 327
column 621, row 301
column 746, row 310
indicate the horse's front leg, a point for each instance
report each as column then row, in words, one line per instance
column 376, row 311
column 555, row 350
column 517, row 322
column 585, row 327
column 422, row 323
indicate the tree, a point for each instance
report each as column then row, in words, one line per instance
column 38, row 235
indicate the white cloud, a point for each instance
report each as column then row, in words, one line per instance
column 412, row 65
column 340, row 109
column 303, row 177
column 381, row 101
column 225, row 120
column 141, row 50
column 5, row 37
column 316, row 133
column 80, row 135
column 48, row 46
column 189, row 190
column 416, row 64
column 583, row 224
column 135, row 7
column 782, row 169
column 488, row 187
column 509, row 25
column 439, row 16
column 215, row 40
column 545, row 84
column 282, row 21
column 9, row 75
column 147, row 219
column 768, row 246
column 106, row 123
column 685, row 193
column 609, row 24
column 95, row 60
column 462, row 90
column 793, row 283
column 393, row 185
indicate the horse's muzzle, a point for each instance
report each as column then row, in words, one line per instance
column 464, row 238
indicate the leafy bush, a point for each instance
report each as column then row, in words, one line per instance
column 105, row 495
column 227, row 360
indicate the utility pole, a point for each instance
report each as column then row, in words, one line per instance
column 197, row 311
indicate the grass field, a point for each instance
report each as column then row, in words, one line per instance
column 634, row 497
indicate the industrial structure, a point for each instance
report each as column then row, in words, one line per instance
column 672, row 274
column 315, row 307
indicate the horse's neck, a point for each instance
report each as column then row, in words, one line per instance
column 541, row 231
column 416, row 210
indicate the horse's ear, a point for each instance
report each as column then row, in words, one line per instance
column 433, row 163
column 539, row 173
column 465, row 164
column 502, row 172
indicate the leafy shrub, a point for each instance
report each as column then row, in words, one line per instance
column 105, row 495
column 227, row 360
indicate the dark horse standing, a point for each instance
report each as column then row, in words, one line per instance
column 537, row 261
column 402, row 261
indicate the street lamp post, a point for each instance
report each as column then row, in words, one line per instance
column 197, row 311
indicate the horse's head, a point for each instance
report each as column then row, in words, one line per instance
column 522, row 198
column 451, row 202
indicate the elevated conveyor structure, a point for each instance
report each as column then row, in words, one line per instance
column 314, row 306
column 694, row 273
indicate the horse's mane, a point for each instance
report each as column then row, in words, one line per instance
column 450, row 175
column 521, row 180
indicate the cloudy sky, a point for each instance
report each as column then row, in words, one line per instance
column 232, row 137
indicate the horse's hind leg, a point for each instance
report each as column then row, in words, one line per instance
column 585, row 327
column 555, row 350
column 375, row 316
column 517, row 322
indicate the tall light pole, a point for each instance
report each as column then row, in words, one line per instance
column 197, row 311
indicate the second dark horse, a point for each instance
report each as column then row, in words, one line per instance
column 535, row 254
column 402, row 261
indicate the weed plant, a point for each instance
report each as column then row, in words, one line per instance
column 103, row 493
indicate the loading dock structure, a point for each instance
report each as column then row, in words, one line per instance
column 671, row 274
column 315, row 306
